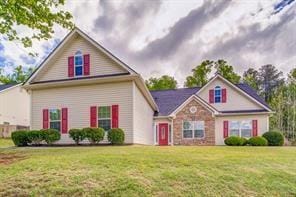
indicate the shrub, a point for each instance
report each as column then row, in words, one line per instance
column 20, row 138
column 274, row 138
column 77, row 135
column 116, row 136
column 35, row 136
column 51, row 135
column 257, row 141
column 244, row 141
column 234, row 141
column 94, row 135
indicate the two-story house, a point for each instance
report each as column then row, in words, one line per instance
column 81, row 84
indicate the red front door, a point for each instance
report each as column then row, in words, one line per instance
column 163, row 134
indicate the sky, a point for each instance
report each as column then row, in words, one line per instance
column 171, row 37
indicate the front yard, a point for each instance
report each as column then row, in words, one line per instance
column 147, row 170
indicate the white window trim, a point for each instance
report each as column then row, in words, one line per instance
column 220, row 94
column 60, row 120
column 78, row 65
column 240, row 127
column 204, row 130
column 98, row 117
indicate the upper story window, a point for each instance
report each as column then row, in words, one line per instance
column 78, row 62
column 218, row 94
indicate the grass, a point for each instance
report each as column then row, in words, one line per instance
column 148, row 170
column 6, row 142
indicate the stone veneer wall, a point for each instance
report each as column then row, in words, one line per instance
column 202, row 114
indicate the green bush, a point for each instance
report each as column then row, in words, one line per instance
column 244, row 141
column 234, row 141
column 94, row 135
column 274, row 138
column 51, row 135
column 257, row 141
column 116, row 136
column 35, row 136
column 77, row 135
column 20, row 138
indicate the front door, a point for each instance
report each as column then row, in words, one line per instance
column 163, row 134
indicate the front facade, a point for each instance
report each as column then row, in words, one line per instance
column 81, row 84
column 14, row 109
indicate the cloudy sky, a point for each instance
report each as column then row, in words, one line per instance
column 172, row 36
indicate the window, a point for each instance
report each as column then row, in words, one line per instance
column 218, row 94
column 104, row 117
column 78, row 61
column 193, row 129
column 241, row 128
column 170, row 133
column 234, row 128
column 55, row 119
column 246, row 128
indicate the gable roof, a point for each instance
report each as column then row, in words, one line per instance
column 69, row 36
column 6, row 86
column 169, row 100
column 244, row 89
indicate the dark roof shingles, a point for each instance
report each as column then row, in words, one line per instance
column 5, row 86
column 168, row 100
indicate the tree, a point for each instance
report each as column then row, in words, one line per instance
column 292, row 76
column 18, row 75
column 251, row 77
column 226, row 70
column 38, row 15
column 163, row 83
column 269, row 80
column 200, row 74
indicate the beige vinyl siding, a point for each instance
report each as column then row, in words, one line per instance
column 15, row 106
column 100, row 64
column 235, row 99
column 263, row 125
column 143, row 119
column 78, row 100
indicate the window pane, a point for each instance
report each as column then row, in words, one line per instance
column 78, row 60
column 55, row 114
column 246, row 129
column 217, row 99
column 105, row 124
column 104, row 112
column 199, row 129
column 187, row 134
column 187, row 125
column 78, row 70
column 234, row 128
column 198, row 133
column 55, row 125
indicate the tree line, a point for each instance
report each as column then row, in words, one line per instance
column 270, row 83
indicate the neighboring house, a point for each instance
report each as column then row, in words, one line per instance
column 81, row 84
column 14, row 109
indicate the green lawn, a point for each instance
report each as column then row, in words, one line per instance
column 148, row 170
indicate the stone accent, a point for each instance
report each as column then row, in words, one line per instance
column 201, row 114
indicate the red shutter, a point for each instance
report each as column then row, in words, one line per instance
column 71, row 66
column 211, row 96
column 255, row 127
column 114, row 116
column 86, row 64
column 64, row 120
column 45, row 118
column 224, row 95
column 225, row 128
column 93, row 116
